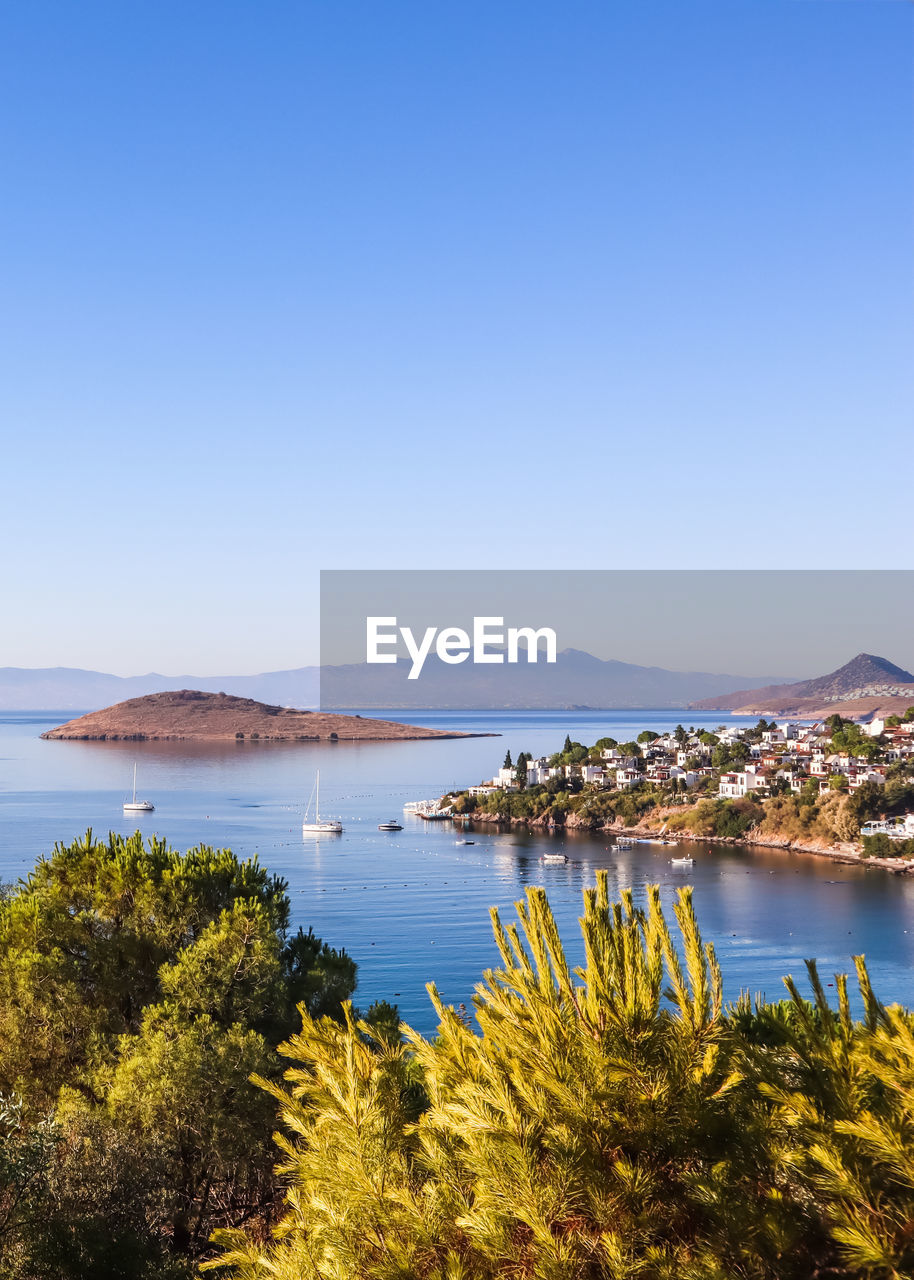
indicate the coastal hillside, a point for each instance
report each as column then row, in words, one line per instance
column 867, row 685
column 191, row 713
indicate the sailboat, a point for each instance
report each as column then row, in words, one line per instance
column 320, row 826
column 134, row 805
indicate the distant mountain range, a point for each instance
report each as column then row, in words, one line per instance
column 866, row 679
column 862, row 686
column 70, row 688
column 575, row 679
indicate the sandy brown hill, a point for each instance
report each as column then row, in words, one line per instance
column 188, row 713
column 866, row 679
column 817, row 709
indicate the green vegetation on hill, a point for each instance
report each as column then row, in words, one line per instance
column 614, row 1122
column 880, row 846
column 779, row 811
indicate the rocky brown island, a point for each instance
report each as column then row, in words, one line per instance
column 220, row 717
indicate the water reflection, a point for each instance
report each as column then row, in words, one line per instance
column 413, row 905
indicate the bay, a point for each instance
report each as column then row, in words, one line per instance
column 412, row 906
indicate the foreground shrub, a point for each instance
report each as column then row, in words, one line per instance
column 883, row 846
column 139, row 989
column 612, row 1121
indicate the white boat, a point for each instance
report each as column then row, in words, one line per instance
column 436, row 815
column 390, row 826
column 554, row 857
column 682, row 862
column 134, row 805
column 320, row 826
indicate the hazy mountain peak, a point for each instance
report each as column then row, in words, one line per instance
column 865, row 671
column 866, row 675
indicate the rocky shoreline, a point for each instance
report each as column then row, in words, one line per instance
column 845, row 852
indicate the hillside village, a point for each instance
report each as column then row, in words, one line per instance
column 841, row 779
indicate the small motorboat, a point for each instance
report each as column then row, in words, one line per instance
column 464, row 842
column 682, row 862
column 554, row 857
column 389, row 826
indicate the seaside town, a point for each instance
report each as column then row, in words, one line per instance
column 840, row 780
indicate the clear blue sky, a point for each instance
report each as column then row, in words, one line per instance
column 301, row 285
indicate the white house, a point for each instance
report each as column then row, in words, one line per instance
column 857, row 777
column 688, row 776
column 736, row 785
column 898, row 828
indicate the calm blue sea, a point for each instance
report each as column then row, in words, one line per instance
column 412, row 907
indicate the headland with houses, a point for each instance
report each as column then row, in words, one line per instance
column 833, row 786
